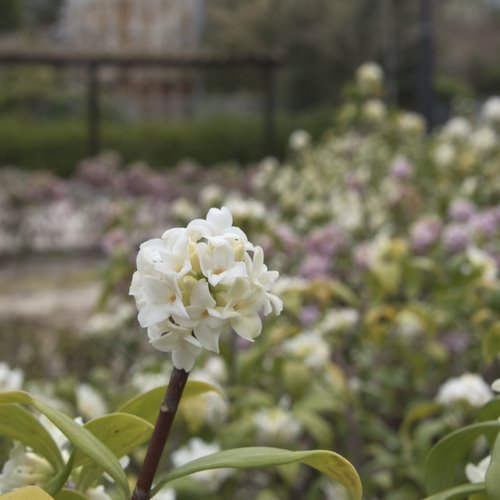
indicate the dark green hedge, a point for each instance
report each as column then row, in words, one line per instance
column 60, row 145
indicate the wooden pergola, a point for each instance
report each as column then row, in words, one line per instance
column 266, row 64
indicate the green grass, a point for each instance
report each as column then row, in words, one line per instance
column 60, row 145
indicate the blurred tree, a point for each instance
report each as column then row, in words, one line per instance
column 11, row 15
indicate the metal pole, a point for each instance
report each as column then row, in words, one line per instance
column 389, row 49
column 93, row 114
column 425, row 63
column 269, row 109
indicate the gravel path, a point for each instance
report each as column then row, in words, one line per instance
column 54, row 289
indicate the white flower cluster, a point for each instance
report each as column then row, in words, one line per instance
column 469, row 387
column 194, row 283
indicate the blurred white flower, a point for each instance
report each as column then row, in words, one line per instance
column 369, row 77
column 165, row 494
column 444, row 155
column 197, row 448
column 299, row 139
column 211, row 195
column 246, row 209
column 194, row 283
column 482, row 263
column 275, row 426
column 89, row 402
column 411, row 123
column 457, row 128
column 23, row 468
column 477, row 473
column 10, row 379
column 339, row 319
column 468, row 387
column 483, row 140
column 183, row 209
column 491, row 110
column 409, row 324
column 374, row 110
column 496, row 385
column 308, row 347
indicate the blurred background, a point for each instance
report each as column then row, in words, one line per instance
column 436, row 56
column 357, row 142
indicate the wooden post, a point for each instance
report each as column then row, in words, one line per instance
column 93, row 109
column 269, row 109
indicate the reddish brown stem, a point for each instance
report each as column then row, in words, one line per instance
column 161, row 431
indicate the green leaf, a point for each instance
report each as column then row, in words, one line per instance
column 81, row 438
column 67, row 494
column 493, row 472
column 59, row 480
column 444, row 457
column 329, row 463
column 120, row 432
column 147, row 405
column 490, row 411
column 27, row 493
column 19, row 424
column 458, row 492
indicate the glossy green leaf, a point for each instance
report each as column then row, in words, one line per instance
column 67, row 494
column 19, row 424
column 493, row 473
column 79, row 437
column 444, row 457
column 329, row 463
column 27, row 493
column 458, row 492
column 147, row 405
column 120, row 432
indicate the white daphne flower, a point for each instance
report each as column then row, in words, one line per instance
column 477, row 473
column 23, row 468
column 10, row 380
column 194, row 283
column 469, row 387
column 169, row 337
column 218, row 263
column 219, row 223
column 162, row 299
